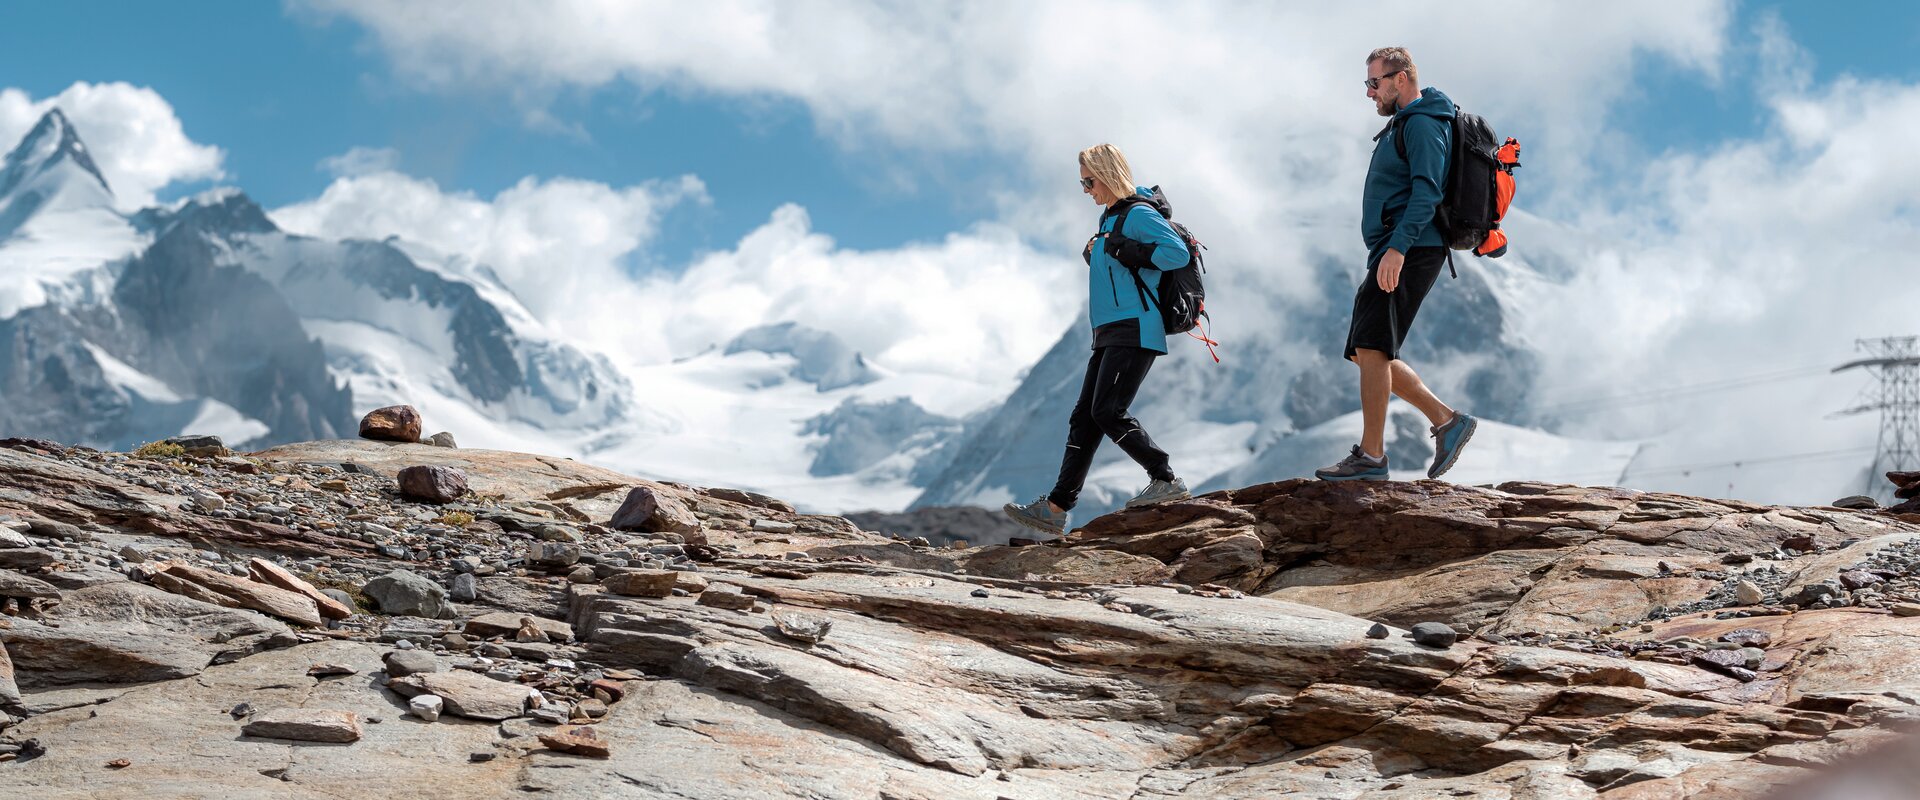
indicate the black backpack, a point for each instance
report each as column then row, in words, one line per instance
column 1470, row 208
column 1181, row 298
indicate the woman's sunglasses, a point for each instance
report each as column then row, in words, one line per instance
column 1086, row 183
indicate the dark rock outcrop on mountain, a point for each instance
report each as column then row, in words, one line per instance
column 223, row 332
column 1573, row 642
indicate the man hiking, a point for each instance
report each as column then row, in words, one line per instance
column 1132, row 238
column 1404, row 257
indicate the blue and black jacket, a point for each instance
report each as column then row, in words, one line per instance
column 1121, row 313
column 1396, row 210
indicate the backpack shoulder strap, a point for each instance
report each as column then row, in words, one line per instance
column 1124, row 206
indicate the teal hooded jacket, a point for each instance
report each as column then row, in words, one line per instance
column 1112, row 296
column 1396, row 210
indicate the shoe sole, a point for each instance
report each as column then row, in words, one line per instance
column 1172, row 498
column 1034, row 523
column 1436, row 473
column 1351, row 477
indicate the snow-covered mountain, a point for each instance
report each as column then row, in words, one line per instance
column 204, row 317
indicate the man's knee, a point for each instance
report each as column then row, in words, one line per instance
column 1113, row 422
column 1367, row 358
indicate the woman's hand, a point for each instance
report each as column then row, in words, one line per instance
column 1086, row 254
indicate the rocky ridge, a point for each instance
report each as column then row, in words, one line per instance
column 291, row 623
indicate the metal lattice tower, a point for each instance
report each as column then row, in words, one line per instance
column 1895, row 364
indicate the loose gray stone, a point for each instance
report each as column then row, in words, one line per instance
column 1434, row 634
column 403, row 592
column 466, row 588
column 401, row 663
column 1378, row 631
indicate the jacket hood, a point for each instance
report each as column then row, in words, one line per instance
column 1151, row 196
column 1433, row 103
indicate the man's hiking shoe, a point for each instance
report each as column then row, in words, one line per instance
column 1448, row 441
column 1159, row 492
column 1357, row 466
column 1040, row 516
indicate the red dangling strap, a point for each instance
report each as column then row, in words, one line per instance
column 1200, row 326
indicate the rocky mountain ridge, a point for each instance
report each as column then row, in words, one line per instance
column 398, row 619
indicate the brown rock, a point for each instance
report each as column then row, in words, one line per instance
column 304, row 725
column 507, row 623
column 432, row 484
column 268, row 572
column 653, row 510
column 580, row 740
column 728, row 598
column 642, row 583
column 467, row 694
column 261, row 597
column 391, row 424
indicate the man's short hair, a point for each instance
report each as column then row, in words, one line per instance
column 1396, row 58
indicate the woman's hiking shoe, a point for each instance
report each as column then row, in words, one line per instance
column 1357, row 466
column 1159, row 492
column 1039, row 515
column 1449, row 440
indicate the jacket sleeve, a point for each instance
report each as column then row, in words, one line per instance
column 1150, row 243
column 1428, row 144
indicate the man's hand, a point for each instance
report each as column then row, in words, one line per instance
column 1389, row 270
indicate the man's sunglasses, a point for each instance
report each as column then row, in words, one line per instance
column 1086, row 183
column 1374, row 83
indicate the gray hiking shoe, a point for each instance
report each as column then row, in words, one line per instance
column 1357, row 466
column 1448, row 441
column 1159, row 492
column 1039, row 515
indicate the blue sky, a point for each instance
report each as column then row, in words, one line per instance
column 279, row 91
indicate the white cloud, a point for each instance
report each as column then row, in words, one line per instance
column 980, row 305
column 361, row 161
column 135, row 137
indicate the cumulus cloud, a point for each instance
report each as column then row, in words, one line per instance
column 136, row 139
column 979, row 304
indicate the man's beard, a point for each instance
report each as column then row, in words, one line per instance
column 1387, row 108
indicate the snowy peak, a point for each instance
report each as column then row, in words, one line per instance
column 50, row 169
column 821, row 358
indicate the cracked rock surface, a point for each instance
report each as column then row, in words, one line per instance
column 1214, row 648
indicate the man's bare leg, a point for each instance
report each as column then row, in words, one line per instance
column 1407, row 386
column 1376, row 385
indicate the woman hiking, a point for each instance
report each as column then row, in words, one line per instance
column 1133, row 240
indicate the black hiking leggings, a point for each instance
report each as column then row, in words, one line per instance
column 1113, row 376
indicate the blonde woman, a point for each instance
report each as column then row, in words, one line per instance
column 1135, row 243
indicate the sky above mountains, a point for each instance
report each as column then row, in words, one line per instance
column 1727, row 183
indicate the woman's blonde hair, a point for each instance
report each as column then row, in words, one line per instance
column 1110, row 168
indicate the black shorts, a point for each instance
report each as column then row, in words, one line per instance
column 1380, row 320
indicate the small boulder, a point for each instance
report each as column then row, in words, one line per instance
column 432, row 483
column 426, row 707
column 467, row 694
column 1860, row 579
column 1858, row 502
column 1434, row 634
column 553, row 554
column 403, row 592
column 1378, row 631
column 729, row 598
column 646, row 509
column 401, row 663
column 1747, row 593
column 1811, row 593
column 443, row 439
column 578, row 740
column 466, row 588
column 304, row 725
column 391, row 424
column 1906, row 609
column 803, row 627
